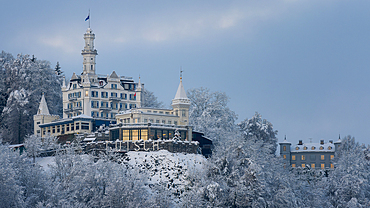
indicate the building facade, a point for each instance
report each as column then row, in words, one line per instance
column 98, row 96
column 313, row 155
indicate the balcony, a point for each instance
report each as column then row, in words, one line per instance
column 77, row 108
column 104, row 108
column 115, row 98
column 67, row 110
column 72, row 98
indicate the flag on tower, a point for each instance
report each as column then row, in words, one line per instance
column 88, row 17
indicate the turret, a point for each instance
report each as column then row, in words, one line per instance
column 285, row 150
column 181, row 104
column 42, row 116
column 89, row 53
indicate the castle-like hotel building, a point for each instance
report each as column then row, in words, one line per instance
column 91, row 100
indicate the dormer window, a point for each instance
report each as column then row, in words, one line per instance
column 329, row 148
column 304, row 147
column 296, row 148
column 313, row 147
column 321, row 147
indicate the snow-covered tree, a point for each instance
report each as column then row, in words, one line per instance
column 150, row 100
column 349, row 184
column 257, row 128
column 210, row 114
column 22, row 82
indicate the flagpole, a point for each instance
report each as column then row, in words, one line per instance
column 89, row 18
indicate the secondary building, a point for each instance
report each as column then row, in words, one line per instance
column 313, row 155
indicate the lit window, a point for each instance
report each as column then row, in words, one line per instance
column 332, row 166
column 293, row 157
column 297, row 148
column 303, row 157
column 313, row 165
column 313, row 147
column 303, row 165
column 284, row 148
column 321, row 147
column 293, row 165
column 322, row 157
column 331, row 157
column 284, row 156
column 304, row 147
column 329, row 148
column 86, row 93
column 322, row 166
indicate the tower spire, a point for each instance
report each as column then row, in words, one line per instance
column 43, row 107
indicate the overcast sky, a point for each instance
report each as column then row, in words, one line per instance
column 302, row 64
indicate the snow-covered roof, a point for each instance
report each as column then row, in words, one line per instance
column 114, row 75
column 313, row 147
column 82, row 116
column 43, row 107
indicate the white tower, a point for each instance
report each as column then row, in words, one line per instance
column 89, row 53
column 43, row 116
column 181, row 104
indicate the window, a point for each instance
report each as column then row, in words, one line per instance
column 113, row 94
column 94, row 94
column 163, row 121
column 114, row 86
column 322, row 166
column 284, row 156
column 284, row 148
column 305, row 148
column 95, row 104
column 123, row 96
column 331, row 165
column 313, row 165
column 321, row 147
column 145, row 120
column 183, row 113
column 157, row 121
column 331, row 157
column 293, row 157
column 74, row 86
column 135, row 134
column 104, row 104
column 144, row 134
column 169, row 122
column 322, row 157
column 175, row 122
column 104, row 94
column 329, row 148
column 293, row 165
column 86, row 93
column 313, row 147
column 296, row 148
column 125, row 135
column 133, row 96
column 72, row 127
column 303, row 157
column 303, row 165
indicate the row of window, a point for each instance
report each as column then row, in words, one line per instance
column 95, row 114
column 74, row 105
column 312, row 157
column 126, row 86
column 74, row 95
column 313, row 165
column 313, row 148
column 160, row 112
column 137, row 120
column 112, row 105
column 112, row 95
column 144, row 134
column 62, row 129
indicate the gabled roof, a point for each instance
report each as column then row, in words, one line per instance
column 43, row 107
column 74, row 76
column 114, row 75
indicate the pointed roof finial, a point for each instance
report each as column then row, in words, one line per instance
column 181, row 72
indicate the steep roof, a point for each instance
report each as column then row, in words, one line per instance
column 180, row 94
column 43, row 107
column 114, row 75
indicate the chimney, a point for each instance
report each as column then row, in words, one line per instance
column 331, row 141
column 322, row 141
column 300, row 142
